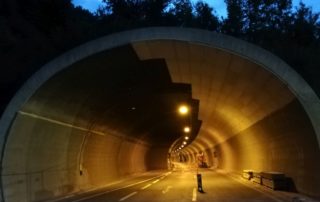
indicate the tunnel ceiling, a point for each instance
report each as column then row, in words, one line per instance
column 234, row 92
column 135, row 89
column 115, row 92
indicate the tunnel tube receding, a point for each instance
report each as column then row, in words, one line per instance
column 65, row 123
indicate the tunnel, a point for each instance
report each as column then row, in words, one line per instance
column 109, row 109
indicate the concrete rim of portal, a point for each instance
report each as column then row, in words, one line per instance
column 303, row 92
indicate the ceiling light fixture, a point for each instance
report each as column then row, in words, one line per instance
column 186, row 129
column 183, row 109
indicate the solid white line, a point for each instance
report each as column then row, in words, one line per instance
column 155, row 181
column 128, row 196
column 148, row 185
column 253, row 188
column 194, row 194
column 116, row 189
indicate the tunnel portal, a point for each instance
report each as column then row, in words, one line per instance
column 108, row 109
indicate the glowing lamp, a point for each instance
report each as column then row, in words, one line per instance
column 183, row 109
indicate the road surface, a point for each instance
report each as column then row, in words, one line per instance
column 180, row 185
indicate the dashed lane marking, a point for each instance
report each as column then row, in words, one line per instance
column 148, row 185
column 116, row 189
column 194, row 194
column 168, row 173
column 128, row 196
column 155, row 181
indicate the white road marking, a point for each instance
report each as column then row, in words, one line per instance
column 148, row 185
column 128, row 196
column 167, row 189
column 168, row 173
column 253, row 188
column 116, row 189
column 155, row 181
column 194, row 194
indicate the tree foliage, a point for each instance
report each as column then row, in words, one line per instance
column 234, row 23
column 205, row 17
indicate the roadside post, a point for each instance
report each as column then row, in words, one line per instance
column 199, row 179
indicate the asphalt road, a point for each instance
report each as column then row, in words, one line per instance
column 179, row 185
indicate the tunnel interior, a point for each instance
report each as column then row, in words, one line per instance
column 117, row 91
column 114, row 114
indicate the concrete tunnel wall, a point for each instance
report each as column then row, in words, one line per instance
column 282, row 142
column 41, row 156
column 47, row 159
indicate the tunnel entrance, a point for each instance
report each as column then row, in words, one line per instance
column 108, row 109
column 119, row 92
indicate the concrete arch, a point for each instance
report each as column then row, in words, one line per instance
column 299, row 87
column 301, row 90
